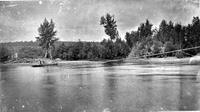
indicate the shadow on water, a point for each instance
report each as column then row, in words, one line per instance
column 110, row 90
column 111, row 87
column 188, row 97
column 147, row 94
column 78, row 92
column 49, row 92
column 3, row 70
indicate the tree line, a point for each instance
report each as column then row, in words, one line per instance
column 168, row 36
column 144, row 41
column 106, row 49
column 112, row 48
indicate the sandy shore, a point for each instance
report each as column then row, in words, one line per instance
column 168, row 60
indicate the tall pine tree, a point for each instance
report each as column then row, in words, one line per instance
column 47, row 37
column 110, row 26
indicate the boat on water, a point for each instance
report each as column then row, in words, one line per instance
column 43, row 65
column 45, row 62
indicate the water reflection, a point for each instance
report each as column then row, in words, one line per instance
column 188, row 93
column 97, row 87
column 2, row 70
column 110, row 91
column 49, row 93
column 11, row 93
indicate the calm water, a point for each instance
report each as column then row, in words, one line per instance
column 97, row 87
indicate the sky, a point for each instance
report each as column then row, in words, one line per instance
column 80, row 19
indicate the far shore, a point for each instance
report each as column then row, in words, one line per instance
column 167, row 60
column 27, row 61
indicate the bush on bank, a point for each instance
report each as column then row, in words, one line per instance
column 107, row 49
column 5, row 53
column 30, row 52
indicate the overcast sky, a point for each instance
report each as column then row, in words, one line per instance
column 79, row 19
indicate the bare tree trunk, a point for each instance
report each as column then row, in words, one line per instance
column 46, row 53
column 50, row 54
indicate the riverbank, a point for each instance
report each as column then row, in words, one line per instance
column 27, row 61
column 168, row 60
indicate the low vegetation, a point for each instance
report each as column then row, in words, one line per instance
column 5, row 53
column 30, row 52
column 106, row 49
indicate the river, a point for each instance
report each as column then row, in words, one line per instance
column 98, row 87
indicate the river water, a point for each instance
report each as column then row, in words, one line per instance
column 98, row 87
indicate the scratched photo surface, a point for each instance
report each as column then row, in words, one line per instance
column 80, row 19
column 145, row 59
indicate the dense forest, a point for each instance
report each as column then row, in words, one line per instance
column 106, row 49
column 80, row 50
column 145, row 41
column 168, row 37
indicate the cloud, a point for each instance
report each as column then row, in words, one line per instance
column 79, row 19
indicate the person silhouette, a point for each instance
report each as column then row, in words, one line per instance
column 40, row 62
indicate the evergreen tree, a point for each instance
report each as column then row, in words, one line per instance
column 162, row 32
column 110, row 26
column 47, row 37
column 131, row 38
column 145, row 30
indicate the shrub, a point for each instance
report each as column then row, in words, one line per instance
column 157, row 47
column 5, row 53
column 107, row 49
column 30, row 52
column 169, row 47
column 180, row 54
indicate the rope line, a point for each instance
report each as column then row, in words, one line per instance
column 187, row 53
column 166, row 52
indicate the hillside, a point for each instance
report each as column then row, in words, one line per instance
column 16, row 46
